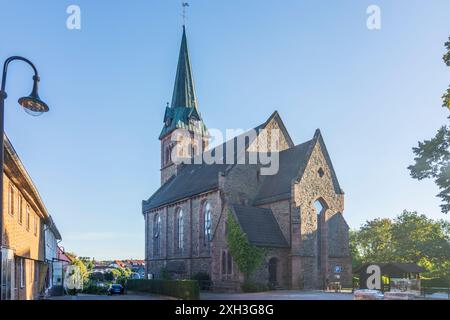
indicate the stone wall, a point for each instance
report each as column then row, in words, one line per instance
column 195, row 255
column 316, row 185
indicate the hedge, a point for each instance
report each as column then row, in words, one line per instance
column 435, row 282
column 183, row 289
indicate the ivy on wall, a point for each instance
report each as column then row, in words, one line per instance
column 247, row 256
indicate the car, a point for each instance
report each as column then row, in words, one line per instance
column 116, row 289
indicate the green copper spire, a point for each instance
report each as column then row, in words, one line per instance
column 183, row 91
column 183, row 112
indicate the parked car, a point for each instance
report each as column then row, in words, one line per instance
column 116, row 289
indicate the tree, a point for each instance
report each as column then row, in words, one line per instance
column 247, row 257
column 83, row 270
column 354, row 250
column 112, row 275
column 424, row 241
column 411, row 237
column 432, row 159
column 375, row 240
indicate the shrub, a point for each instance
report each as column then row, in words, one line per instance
column 165, row 274
column 204, row 280
column 93, row 288
column 250, row 286
column 435, row 283
column 183, row 289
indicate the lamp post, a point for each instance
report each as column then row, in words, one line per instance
column 33, row 105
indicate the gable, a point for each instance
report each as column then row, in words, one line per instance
column 319, row 158
column 266, row 140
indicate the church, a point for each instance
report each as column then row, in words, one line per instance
column 296, row 213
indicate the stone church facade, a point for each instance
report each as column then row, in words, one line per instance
column 296, row 213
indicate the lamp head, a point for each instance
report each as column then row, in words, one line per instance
column 32, row 104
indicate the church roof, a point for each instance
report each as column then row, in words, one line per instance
column 193, row 179
column 260, row 226
column 183, row 91
column 278, row 186
column 184, row 101
column 292, row 164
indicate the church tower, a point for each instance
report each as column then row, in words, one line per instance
column 184, row 134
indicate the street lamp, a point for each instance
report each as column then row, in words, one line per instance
column 33, row 105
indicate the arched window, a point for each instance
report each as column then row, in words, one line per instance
column 157, row 234
column 224, row 262
column 321, row 207
column 227, row 263
column 207, row 223
column 180, row 230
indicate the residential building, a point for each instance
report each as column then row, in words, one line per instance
column 24, row 263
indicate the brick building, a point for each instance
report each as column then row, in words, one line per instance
column 296, row 213
column 27, row 253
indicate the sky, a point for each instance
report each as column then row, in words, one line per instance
column 95, row 156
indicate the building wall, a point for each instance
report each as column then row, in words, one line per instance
column 311, row 188
column 26, row 244
column 267, row 140
column 195, row 255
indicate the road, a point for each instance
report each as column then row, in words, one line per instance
column 270, row 295
column 278, row 295
column 128, row 296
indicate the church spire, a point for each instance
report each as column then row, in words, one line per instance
column 184, row 91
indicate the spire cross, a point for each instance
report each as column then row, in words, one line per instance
column 184, row 5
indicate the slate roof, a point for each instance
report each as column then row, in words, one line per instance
column 278, row 186
column 292, row 165
column 184, row 101
column 193, row 179
column 260, row 226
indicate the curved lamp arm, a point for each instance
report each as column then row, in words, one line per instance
column 5, row 71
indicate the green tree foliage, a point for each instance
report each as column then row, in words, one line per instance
column 247, row 257
column 375, row 240
column 83, row 270
column 411, row 237
column 112, row 275
column 433, row 156
column 354, row 251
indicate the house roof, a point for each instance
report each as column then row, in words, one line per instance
column 260, row 226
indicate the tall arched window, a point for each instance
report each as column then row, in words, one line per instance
column 321, row 207
column 157, row 234
column 180, row 229
column 207, row 223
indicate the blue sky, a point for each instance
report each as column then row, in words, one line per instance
column 95, row 156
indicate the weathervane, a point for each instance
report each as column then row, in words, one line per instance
column 184, row 5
